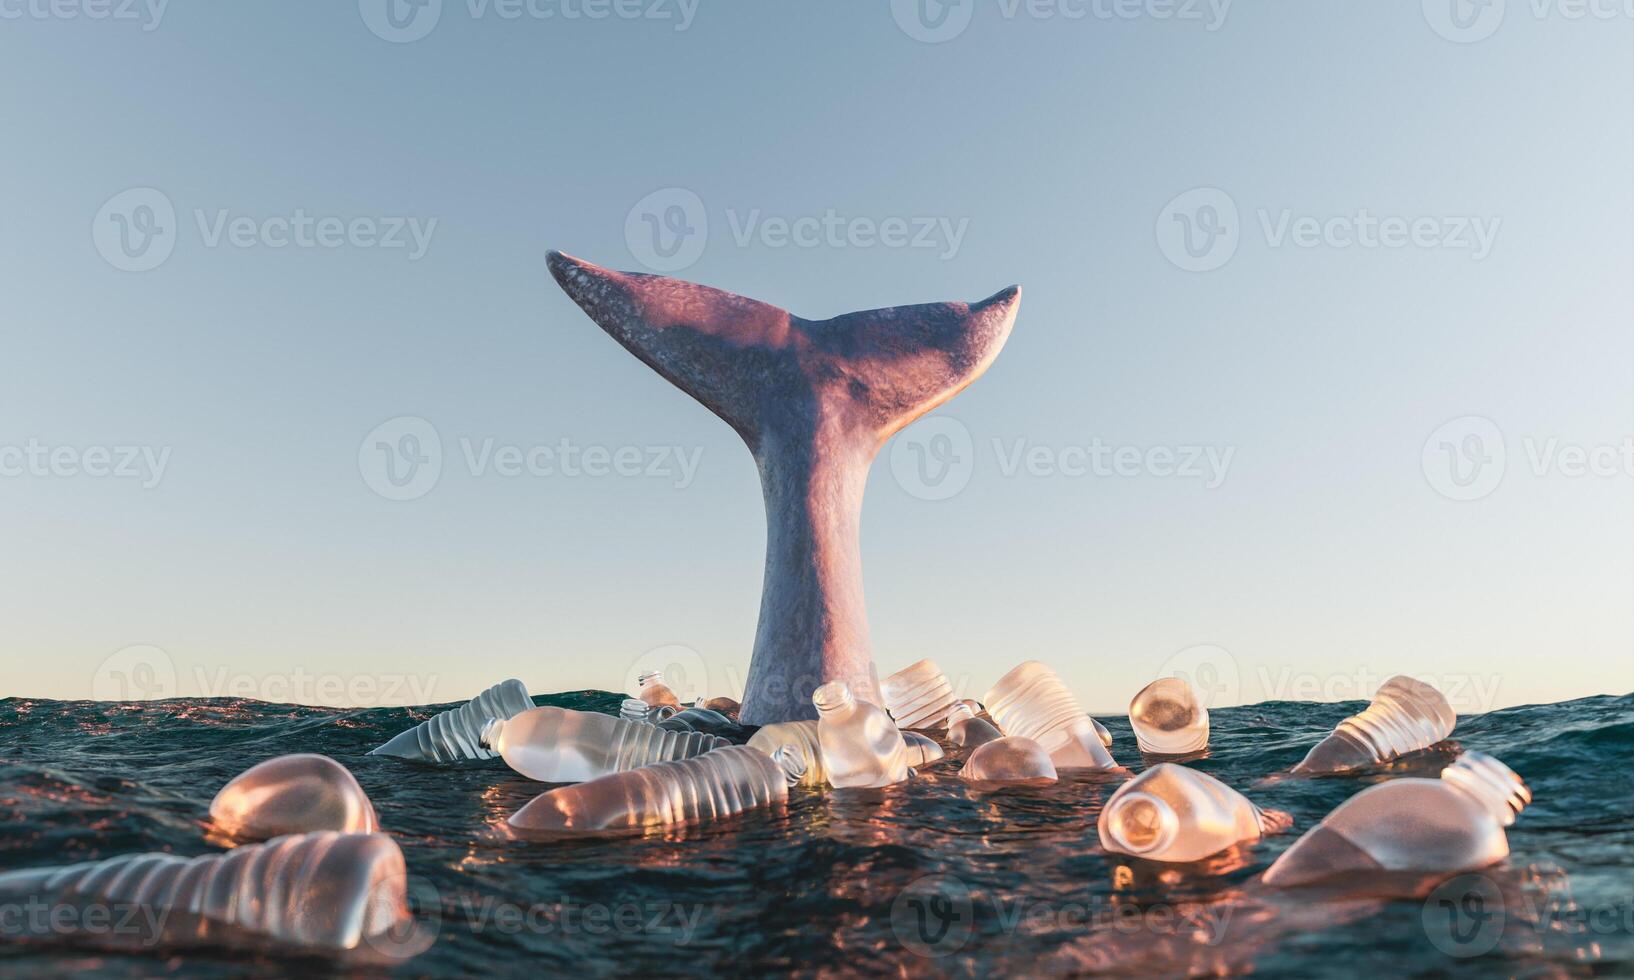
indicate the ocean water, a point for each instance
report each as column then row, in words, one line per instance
column 931, row 877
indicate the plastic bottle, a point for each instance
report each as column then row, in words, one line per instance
column 457, row 734
column 696, row 719
column 318, row 894
column 919, row 696
column 1169, row 718
column 1172, row 813
column 634, row 709
column 922, row 750
column 1406, row 715
column 725, row 706
column 1031, row 701
column 801, row 737
column 559, row 745
column 861, row 745
column 709, row 787
column 293, row 794
column 967, row 730
column 1010, row 759
column 655, row 692
column 1448, row 825
column 1101, row 732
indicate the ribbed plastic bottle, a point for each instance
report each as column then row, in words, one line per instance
column 634, row 709
column 1011, row 759
column 1031, row 701
column 1172, row 813
column 559, row 745
column 326, row 894
column 919, row 696
column 1452, row 824
column 709, row 787
column 1406, row 715
column 655, row 692
column 861, row 745
column 457, row 734
column 293, row 794
column 966, row 730
column 922, row 750
column 696, row 719
column 1169, row 718
column 801, row 737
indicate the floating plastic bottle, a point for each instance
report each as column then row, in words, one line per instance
column 801, row 738
column 709, row 787
column 655, row 692
column 1169, row 718
column 457, row 734
column 1172, row 813
column 1031, row 701
column 1101, row 732
column 696, row 719
column 634, row 709
column 1448, row 825
column 1010, row 759
column 326, row 894
column 293, row 794
column 1406, row 715
column 922, row 750
column 919, row 696
column 861, row 745
column 967, row 730
column 559, row 745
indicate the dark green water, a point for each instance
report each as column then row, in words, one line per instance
column 927, row 878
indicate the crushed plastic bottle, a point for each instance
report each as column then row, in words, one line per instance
column 655, row 692
column 711, row 786
column 1169, row 718
column 922, row 750
column 323, row 894
column 559, row 745
column 965, row 729
column 861, row 745
column 1175, row 814
column 456, row 734
column 919, row 696
column 1448, row 825
column 801, row 738
column 1010, row 759
column 1406, row 715
column 292, row 794
column 1031, row 701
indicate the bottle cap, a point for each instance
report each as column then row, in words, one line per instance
column 1141, row 823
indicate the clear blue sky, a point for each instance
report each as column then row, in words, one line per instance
column 1331, row 550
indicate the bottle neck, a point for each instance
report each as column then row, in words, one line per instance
column 833, row 699
column 1495, row 786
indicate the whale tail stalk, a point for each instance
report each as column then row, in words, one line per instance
column 814, row 400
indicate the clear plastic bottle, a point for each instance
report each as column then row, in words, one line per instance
column 696, row 719
column 655, row 692
column 1448, row 825
column 965, row 729
column 559, row 745
column 1406, row 715
column 922, row 750
column 861, row 745
column 919, row 696
column 457, row 734
column 801, row 738
column 321, row 894
column 1010, row 759
column 634, row 709
column 1101, row 732
column 1169, row 718
column 1031, row 701
column 1172, row 813
column 726, row 706
column 293, row 794
column 708, row 787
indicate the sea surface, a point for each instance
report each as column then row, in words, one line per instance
column 930, row 877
